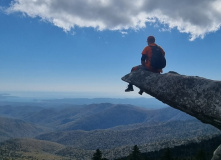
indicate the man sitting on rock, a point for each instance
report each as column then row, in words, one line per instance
column 153, row 59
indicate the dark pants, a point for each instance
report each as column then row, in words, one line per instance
column 140, row 67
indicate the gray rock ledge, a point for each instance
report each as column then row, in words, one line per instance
column 199, row 97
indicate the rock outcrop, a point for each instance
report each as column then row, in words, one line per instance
column 197, row 96
column 194, row 95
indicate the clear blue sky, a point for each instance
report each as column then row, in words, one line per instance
column 85, row 47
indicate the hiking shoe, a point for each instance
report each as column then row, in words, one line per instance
column 129, row 88
column 140, row 92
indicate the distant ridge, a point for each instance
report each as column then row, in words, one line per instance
column 14, row 128
column 150, row 103
column 95, row 116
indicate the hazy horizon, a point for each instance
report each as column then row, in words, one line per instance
column 61, row 95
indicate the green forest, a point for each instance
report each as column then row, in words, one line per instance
column 166, row 154
column 193, row 151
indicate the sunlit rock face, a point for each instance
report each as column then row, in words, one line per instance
column 194, row 95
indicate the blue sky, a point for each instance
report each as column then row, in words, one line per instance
column 84, row 47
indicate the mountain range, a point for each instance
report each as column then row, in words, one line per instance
column 111, row 127
column 90, row 117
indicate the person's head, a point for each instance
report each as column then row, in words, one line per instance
column 150, row 39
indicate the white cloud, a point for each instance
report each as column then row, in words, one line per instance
column 195, row 17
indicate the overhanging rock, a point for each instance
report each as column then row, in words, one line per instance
column 194, row 95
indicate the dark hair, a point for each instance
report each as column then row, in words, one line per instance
column 151, row 39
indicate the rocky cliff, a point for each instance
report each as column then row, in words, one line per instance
column 197, row 96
